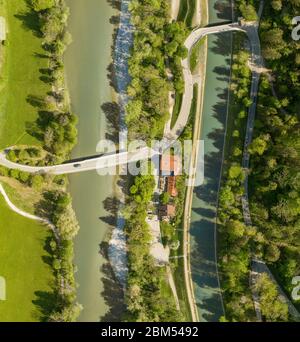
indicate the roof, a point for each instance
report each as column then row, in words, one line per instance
column 171, row 186
column 2, row 29
column 170, row 165
column 168, row 210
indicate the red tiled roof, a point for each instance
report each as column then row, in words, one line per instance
column 171, row 186
column 170, row 164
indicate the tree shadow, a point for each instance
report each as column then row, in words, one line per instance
column 45, row 302
column 112, row 114
column 116, row 4
column 113, row 292
column 203, row 266
column 111, row 205
column 30, row 20
column 224, row 9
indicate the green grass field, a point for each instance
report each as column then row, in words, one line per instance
column 20, row 74
column 23, row 265
column 23, row 260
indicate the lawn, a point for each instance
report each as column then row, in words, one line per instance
column 22, row 254
column 23, row 265
column 20, row 74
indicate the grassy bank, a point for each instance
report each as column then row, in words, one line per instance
column 187, row 12
column 178, row 261
column 20, row 77
column 34, row 111
column 24, row 265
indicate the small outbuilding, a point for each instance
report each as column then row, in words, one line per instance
column 2, row 29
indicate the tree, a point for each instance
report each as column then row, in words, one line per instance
column 236, row 229
column 248, row 12
column 236, row 172
column 41, row 5
column 165, row 198
column 36, row 181
column 272, row 306
column 259, row 145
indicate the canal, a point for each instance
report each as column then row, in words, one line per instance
column 204, row 206
column 87, row 61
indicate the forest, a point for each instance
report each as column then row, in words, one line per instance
column 274, row 174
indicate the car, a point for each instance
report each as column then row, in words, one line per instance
column 77, row 165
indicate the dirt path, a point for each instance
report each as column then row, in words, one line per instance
column 173, row 287
column 175, row 4
column 27, row 215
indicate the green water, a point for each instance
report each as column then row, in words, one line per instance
column 219, row 11
column 87, row 60
column 203, row 218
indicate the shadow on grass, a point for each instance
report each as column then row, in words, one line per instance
column 30, row 20
column 46, row 301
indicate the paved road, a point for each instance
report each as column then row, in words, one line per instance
column 123, row 158
column 99, row 163
column 257, row 266
column 189, row 79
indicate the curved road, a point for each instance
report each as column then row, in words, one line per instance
column 123, row 158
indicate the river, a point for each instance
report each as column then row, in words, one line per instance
column 92, row 98
column 204, row 206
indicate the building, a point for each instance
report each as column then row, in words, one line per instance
column 167, row 212
column 171, row 186
column 2, row 29
column 170, row 165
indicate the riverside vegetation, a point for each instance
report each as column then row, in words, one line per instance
column 155, row 69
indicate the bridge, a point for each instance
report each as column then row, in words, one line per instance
column 146, row 153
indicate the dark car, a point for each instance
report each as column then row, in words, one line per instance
column 77, row 165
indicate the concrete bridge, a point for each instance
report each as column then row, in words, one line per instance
column 171, row 135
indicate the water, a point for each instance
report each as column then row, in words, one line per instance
column 203, row 218
column 87, row 62
column 219, row 11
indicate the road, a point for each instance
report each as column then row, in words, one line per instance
column 189, row 79
column 98, row 163
column 123, row 158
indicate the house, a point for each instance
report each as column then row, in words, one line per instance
column 171, row 186
column 167, row 211
column 2, row 29
column 170, row 165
